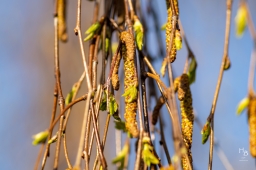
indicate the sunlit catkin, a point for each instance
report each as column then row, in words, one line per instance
column 114, row 77
column 172, row 54
column 62, row 31
column 187, row 117
column 252, row 125
column 159, row 104
column 130, row 80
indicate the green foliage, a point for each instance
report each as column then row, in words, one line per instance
column 147, row 155
column 241, row 20
column 40, row 137
column 70, row 95
column 103, row 103
column 112, row 105
column 131, row 93
column 243, row 104
column 107, row 42
column 138, row 28
column 205, row 132
column 120, row 158
column 92, row 30
column 178, row 43
column 163, row 27
column 192, row 70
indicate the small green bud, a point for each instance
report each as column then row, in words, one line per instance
column 40, row 137
column 192, row 70
column 93, row 28
column 243, row 104
column 205, row 132
column 241, row 20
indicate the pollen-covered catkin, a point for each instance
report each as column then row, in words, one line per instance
column 62, row 30
column 114, row 77
column 159, row 104
column 130, row 80
column 187, row 116
column 172, row 54
column 252, row 125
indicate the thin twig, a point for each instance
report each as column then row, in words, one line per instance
column 39, row 156
column 47, row 150
column 84, row 97
column 225, row 55
column 99, row 146
column 55, row 166
column 163, row 140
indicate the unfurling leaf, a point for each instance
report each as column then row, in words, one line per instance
column 138, row 28
column 121, row 156
column 89, row 37
column 103, row 103
column 163, row 27
column 40, row 137
column 93, row 28
column 205, row 132
column 241, row 20
column 107, row 42
column 243, row 104
column 192, row 70
column 147, row 155
column 120, row 125
column 178, row 40
column 139, row 40
column 113, row 106
column 227, row 63
column 131, row 93
column 70, row 95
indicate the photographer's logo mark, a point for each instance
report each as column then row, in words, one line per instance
column 244, row 154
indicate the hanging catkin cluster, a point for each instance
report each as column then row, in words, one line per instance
column 172, row 54
column 252, row 125
column 181, row 85
column 114, row 77
column 130, row 80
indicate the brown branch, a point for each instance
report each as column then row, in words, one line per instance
column 56, row 159
column 39, row 156
column 84, row 97
column 47, row 150
column 99, row 146
column 163, row 140
column 225, row 55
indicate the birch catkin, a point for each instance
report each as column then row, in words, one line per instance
column 62, row 31
column 172, row 54
column 114, row 77
column 252, row 125
column 181, row 84
column 130, row 80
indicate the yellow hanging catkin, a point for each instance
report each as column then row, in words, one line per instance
column 181, row 84
column 172, row 54
column 173, row 51
column 252, row 125
column 114, row 77
column 130, row 80
column 62, row 31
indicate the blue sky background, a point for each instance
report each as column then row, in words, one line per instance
column 27, row 80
